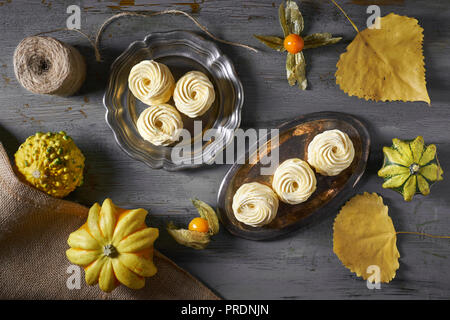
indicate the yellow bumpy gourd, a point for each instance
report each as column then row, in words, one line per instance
column 51, row 162
column 114, row 246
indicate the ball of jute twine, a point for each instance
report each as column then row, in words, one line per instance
column 45, row 65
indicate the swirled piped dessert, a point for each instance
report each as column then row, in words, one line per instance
column 294, row 181
column 193, row 94
column 160, row 124
column 255, row 204
column 331, row 152
column 151, row 82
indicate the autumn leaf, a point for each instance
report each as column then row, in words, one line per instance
column 385, row 64
column 364, row 236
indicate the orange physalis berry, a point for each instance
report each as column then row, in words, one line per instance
column 293, row 43
column 199, row 224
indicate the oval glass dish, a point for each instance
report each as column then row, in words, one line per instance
column 181, row 51
column 293, row 140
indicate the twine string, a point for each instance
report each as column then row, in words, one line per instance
column 96, row 44
column 76, row 30
column 158, row 13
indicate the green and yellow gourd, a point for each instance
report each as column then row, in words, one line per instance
column 410, row 167
column 51, row 162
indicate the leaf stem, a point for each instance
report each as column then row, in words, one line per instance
column 423, row 234
column 345, row 14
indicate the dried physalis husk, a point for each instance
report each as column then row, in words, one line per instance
column 195, row 239
column 188, row 238
column 208, row 213
column 319, row 39
column 296, row 70
column 365, row 238
column 291, row 21
column 273, row 42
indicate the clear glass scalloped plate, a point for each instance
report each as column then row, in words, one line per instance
column 181, row 51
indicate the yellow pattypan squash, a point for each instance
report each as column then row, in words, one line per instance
column 114, row 246
column 51, row 162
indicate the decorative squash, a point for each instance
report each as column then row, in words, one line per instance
column 114, row 246
column 410, row 167
column 51, row 162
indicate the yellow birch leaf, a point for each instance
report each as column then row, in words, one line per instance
column 385, row 64
column 364, row 236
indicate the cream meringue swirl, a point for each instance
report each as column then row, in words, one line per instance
column 160, row 124
column 331, row 152
column 151, row 82
column 294, row 181
column 255, row 204
column 194, row 94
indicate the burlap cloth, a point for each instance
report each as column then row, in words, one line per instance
column 33, row 239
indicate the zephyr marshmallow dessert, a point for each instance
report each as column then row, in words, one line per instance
column 151, row 82
column 331, row 152
column 255, row 204
column 294, row 181
column 194, row 94
column 160, row 124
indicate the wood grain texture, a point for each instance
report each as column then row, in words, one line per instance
column 301, row 265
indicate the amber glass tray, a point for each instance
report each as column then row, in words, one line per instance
column 293, row 141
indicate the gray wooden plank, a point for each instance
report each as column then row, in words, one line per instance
column 301, row 265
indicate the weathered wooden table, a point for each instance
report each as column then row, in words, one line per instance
column 301, row 265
